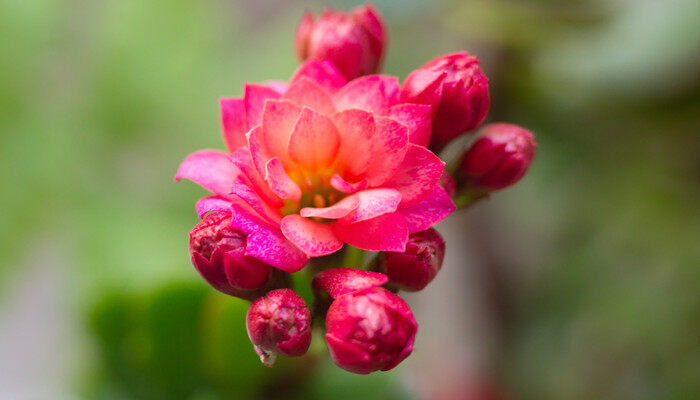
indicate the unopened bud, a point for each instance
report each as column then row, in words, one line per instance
column 415, row 268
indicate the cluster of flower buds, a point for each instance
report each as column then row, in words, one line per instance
column 335, row 159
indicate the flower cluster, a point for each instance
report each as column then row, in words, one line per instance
column 337, row 159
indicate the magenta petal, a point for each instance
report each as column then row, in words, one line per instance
column 313, row 238
column 245, row 193
column 423, row 86
column 340, row 281
column 373, row 203
column 433, row 208
column 357, row 130
column 387, row 232
column 233, row 122
column 417, row 174
column 258, row 152
column 374, row 93
column 212, row 169
column 305, row 92
column 343, row 186
column 254, row 97
column 323, row 73
column 348, row 357
column 337, row 210
column 208, row 204
column 242, row 159
column 266, row 242
column 417, row 118
column 280, row 182
column 388, row 150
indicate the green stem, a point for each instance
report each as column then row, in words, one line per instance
column 354, row 257
column 468, row 199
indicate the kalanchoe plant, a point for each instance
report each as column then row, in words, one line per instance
column 332, row 163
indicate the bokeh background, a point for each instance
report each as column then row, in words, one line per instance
column 581, row 282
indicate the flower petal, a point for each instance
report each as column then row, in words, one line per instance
column 349, row 356
column 315, row 140
column 258, row 151
column 373, row 203
column 356, row 129
column 242, row 159
column 212, row 169
column 417, row 118
column 242, row 191
column 423, row 86
column 344, row 186
column 387, row 232
column 278, row 119
column 322, row 72
column 305, row 92
column 280, row 182
column 254, row 97
column 339, row 281
column 313, row 238
column 388, row 149
column 375, row 93
column 417, row 174
column 205, row 205
column 337, row 210
column 433, row 208
column 233, row 122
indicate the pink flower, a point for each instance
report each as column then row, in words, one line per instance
column 217, row 252
column 279, row 323
column 321, row 163
column 457, row 89
column 498, row 158
column 413, row 269
column 354, row 41
column 368, row 327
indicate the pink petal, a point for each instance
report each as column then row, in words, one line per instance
column 373, row 203
column 313, row 238
column 258, row 151
column 339, row 281
column 212, row 169
column 266, row 242
column 278, row 119
column 280, row 182
column 417, row 174
column 423, row 86
column 254, row 97
column 305, row 92
column 337, row 210
column 233, row 122
column 356, row 128
column 387, row 232
column 417, row 118
column 349, row 356
column 323, row 73
column 205, row 205
column 388, row 149
column 433, row 208
column 247, row 195
column 242, row 159
column 315, row 140
column 374, row 93
column 343, row 186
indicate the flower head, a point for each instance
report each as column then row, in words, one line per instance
column 354, row 41
column 498, row 158
column 320, row 163
column 457, row 89
column 413, row 269
column 218, row 253
column 279, row 323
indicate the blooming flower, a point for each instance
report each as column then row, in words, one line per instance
column 319, row 163
column 457, row 89
column 498, row 158
column 413, row 269
column 368, row 328
column 354, row 41
column 279, row 323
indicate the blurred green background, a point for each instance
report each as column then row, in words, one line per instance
column 582, row 282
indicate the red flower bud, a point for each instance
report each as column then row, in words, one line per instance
column 369, row 330
column 218, row 253
column 457, row 89
column 498, row 158
column 413, row 269
column 448, row 183
column 279, row 323
column 354, row 41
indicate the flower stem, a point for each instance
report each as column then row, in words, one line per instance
column 354, row 257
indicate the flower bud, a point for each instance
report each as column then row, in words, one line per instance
column 279, row 323
column 353, row 41
column 413, row 269
column 218, row 253
column 498, row 158
column 457, row 89
column 448, row 183
column 369, row 330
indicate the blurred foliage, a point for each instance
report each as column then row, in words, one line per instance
column 100, row 101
